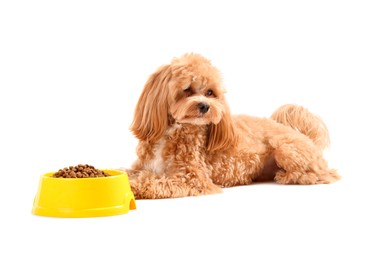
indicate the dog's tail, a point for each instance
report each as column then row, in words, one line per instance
column 304, row 121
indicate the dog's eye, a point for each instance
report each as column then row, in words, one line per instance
column 209, row 93
column 188, row 91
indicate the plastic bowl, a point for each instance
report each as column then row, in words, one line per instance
column 84, row 197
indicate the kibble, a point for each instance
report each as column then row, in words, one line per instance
column 80, row 171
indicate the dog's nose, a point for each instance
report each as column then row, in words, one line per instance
column 203, row 107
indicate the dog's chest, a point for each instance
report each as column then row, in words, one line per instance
column 179, row 146
column 157, row 164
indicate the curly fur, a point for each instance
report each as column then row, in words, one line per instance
column 190, row 144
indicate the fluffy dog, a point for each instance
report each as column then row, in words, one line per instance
column 190, row 144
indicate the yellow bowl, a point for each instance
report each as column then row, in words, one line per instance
column 84, row 197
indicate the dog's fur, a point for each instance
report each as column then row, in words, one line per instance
column 190, row 144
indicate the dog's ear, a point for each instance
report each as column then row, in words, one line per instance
column 151, row 114
column 222, row 136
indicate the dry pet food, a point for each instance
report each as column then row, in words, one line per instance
column 80, row 171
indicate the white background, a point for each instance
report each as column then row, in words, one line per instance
column 71, row 73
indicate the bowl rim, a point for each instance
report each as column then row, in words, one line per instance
column 117, row 173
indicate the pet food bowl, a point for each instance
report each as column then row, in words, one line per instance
column 84, row 197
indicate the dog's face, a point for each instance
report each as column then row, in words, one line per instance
column 188, row 90
column 195, row 92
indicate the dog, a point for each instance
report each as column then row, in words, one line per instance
column 191, row 145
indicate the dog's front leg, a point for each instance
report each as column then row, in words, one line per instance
column 185, row 181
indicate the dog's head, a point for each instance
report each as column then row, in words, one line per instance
column 188, row 90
